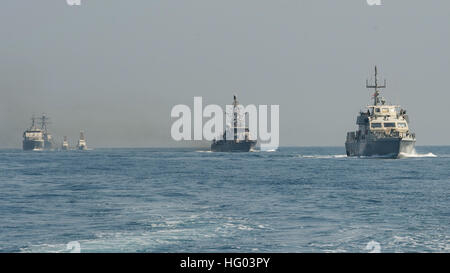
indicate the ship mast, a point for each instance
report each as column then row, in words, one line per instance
column 44, row 122
column 235, row 113
column 376, row 87
column 33, row 123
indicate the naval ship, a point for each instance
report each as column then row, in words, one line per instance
column 33, row 138
column 65, row 144
column 48, row 139
column 37, row 138
column 82, row 142
column 383, row 129
column 239, row 143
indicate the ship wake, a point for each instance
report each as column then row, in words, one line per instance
column 414, row 154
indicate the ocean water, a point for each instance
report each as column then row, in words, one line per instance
column 183, row 200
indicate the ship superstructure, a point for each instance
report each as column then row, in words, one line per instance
column 241, row 140
column 382, row 130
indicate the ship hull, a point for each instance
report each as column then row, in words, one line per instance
column 48, row 145
column 389, row 147
column 32, row 145
column 232, row 146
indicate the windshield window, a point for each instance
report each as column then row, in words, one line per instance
column 401, row 125
column 376, row 125
column 389, row 124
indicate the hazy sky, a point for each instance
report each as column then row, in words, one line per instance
column 115, row 68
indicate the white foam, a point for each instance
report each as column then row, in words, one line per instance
column 268, row 149
column 414, row 154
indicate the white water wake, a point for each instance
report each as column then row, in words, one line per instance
column 414, row 154
column 269, row 150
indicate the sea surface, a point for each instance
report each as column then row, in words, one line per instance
column 185, row 200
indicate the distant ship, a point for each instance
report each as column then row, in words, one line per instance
column 82, row 142
column 33, row 138
column 48, row 139
column 238, row 143
column 383, row 129
column 65, row 144
column 37, row 138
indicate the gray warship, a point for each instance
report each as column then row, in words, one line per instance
column 82, row 142
column 383, row 129
column 37, row 138
column 65, row 144
column 238, row 143
column 33, row 138
column 48, row 139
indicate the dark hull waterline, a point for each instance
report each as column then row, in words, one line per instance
column 30, row 145
column 389, row 147
column 232, row 146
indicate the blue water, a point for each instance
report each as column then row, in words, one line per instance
column 169, row 200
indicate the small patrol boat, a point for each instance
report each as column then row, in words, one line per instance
column 65, row 144
column 82, row 142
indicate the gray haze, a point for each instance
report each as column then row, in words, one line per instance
column 115, row 68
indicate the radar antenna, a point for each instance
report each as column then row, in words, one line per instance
column 375, row 86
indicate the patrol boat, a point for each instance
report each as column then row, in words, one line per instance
column 33, row 138
column 82, row 142
column 241, row 140
column 383, row 129
column 65, row 144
